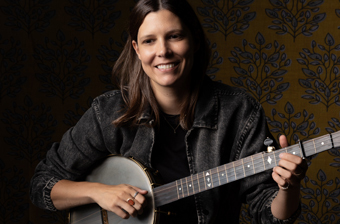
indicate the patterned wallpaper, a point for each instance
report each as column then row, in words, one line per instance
column 56, row 56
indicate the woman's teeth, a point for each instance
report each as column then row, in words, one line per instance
column 166, row 66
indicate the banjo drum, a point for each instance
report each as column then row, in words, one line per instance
column 113, row 171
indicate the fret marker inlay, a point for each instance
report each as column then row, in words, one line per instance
column 322, row 143
column 269, row 160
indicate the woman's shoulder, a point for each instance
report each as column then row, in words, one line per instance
column 225, row 91
column 111, row 100
column 112, row 95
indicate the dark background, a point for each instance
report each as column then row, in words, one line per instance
column 56, row 56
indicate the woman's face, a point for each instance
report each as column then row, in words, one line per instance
column 165, row 47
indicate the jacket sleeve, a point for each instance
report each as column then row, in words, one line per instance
column 80, row 147
column 259, row 190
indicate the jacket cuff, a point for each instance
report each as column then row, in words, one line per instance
column 47, row 193
column 290, row 220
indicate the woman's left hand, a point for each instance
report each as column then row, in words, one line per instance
column 291, row 169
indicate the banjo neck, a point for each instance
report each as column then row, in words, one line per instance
column 239, row 169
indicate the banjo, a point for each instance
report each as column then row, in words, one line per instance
column 114, row 171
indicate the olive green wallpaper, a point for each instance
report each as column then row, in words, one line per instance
column 56, row 56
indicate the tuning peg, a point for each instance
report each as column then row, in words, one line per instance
column 267, row 142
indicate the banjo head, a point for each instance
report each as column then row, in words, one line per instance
column 113, row 171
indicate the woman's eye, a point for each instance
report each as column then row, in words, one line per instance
column 175, row 36
column 147, row 41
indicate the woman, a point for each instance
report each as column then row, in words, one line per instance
column 171, row 117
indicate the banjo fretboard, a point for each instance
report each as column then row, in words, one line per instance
column 239, row 169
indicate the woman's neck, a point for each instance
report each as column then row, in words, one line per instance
column 171, row 100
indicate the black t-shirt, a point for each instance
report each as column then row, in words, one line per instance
column 169, row 157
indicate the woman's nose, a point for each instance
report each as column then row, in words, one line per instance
column 163, row 49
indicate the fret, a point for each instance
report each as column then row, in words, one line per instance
column 234, row 170
column 322, row 144
column 185, row 187
column 190, row 184
column 179, row 189
column 309, row 147
column 259, row 164
column 201, row 182
column 198, row 183
column 195, row 184
column 224, row 174
column 219, row 180
column 295, row 150
column 276, row 155
column 252, row 161
column 231, row 173
column 214, row 177
column 264, row 163
column 239, row 169
column 248, row 166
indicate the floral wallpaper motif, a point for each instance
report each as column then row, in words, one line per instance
column 92, row 16
column 226, row 17
column 28, row 16
column 295, row 17
column 321, row 67
column 56, row 56
column 261, row 68
column 63, row 63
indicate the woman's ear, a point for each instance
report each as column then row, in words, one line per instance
column 135, row 46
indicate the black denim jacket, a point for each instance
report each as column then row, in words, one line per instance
column 229, row 125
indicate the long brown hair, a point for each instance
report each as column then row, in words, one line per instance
column 135, row 84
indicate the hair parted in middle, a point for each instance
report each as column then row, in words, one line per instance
column 135, row 84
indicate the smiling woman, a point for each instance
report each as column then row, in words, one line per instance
column 172, row 118
column 156, row 26
column 165, row 47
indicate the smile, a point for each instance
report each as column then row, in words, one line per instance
column 167, row 66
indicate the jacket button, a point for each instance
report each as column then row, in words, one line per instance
column 205, row 212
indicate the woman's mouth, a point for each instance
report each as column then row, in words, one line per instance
column 166, row 66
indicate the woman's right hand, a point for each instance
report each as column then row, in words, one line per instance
column 67, row 194
column 115, row 198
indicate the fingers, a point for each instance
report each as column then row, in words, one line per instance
column 283, row 141
column 124, row 200
column 290, row 171
column 296, row 165
column 280, row 181
column 132, row 201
